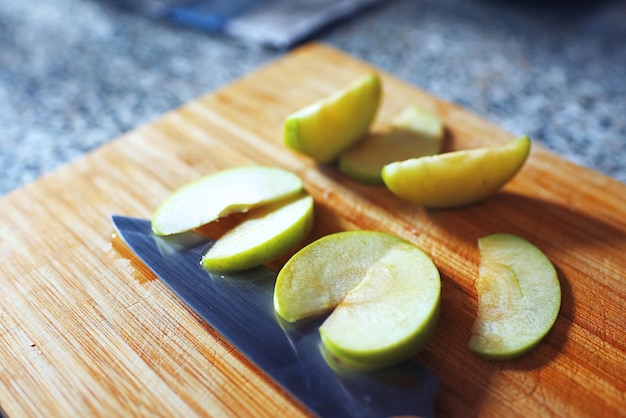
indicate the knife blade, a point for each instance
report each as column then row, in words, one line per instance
column 240, row 307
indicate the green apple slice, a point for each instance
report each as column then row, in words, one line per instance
column 219, row 194
column 383, row 293
column 519, row 297
column 414, row 133
column 456, row 178
column 421, row 122
column 267, row 233
column 327, row 127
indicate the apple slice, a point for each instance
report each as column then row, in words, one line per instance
column 414, row 133
column 519, row 297
column 326, row 128
column 456, row 178
column 219, row 194
column 421, row 122
column 267, row 233
column 383, row 293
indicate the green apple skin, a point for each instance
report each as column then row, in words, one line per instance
column 456, row 178
column 390, row 315
column 219, row 194
column 384, row 294
column 266, row 234
column 342, row 365
column 327, row 127
column 308, row 284
column 519, row 297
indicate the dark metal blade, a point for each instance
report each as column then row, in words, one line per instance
column 240, row 308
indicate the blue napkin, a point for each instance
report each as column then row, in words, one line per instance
column 276, row 23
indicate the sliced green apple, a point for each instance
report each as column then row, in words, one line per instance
column 383, row 293
column 327, row 127
column 519, row 297
column 421, row 122
column 267, row 233
column 456, row 178
column 219, row 194
column 414, row 133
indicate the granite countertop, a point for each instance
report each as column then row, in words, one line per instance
column 77, row 73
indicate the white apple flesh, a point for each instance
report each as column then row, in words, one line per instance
column 219, row 194
column 422, row 123
column 383, row 293
column 414, row 133
column 519, row 297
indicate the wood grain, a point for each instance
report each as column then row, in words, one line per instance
column 86, row 331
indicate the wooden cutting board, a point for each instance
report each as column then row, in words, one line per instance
column 86, row 331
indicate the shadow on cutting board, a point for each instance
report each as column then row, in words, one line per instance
column 547, row 225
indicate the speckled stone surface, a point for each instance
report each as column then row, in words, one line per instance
column 77, row 73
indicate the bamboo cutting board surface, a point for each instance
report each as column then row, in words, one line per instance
column 85, row 330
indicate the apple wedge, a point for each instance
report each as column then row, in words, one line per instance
column 414, row 133
column 519, row 297
column 327, row 127
column 219, row 194
column 456, row 178
column 266, row 233
column 383, row 293
column 421, row 122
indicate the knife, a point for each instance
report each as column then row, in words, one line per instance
column 240, row 307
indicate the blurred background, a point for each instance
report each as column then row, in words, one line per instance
column 77, row 73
